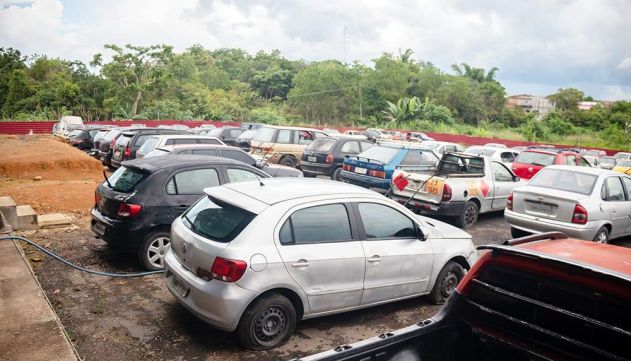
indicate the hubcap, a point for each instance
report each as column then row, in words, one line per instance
column 469, row 216
column 270, row 326
column 157, row 249
column 602, row 237
column 450, row 283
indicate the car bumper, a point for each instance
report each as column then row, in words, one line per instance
column 532, row 224
column 317, row 168
column 218, row 303
column 365, row 181
column 117, row 233
column 443, row 208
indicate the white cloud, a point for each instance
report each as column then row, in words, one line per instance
column 552, row 44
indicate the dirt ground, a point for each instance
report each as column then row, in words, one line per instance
column 68, row 175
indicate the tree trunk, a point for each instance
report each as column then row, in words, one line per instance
column 134, row 107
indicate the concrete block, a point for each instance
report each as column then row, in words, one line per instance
column 27, row 218
column 53, row 220
column 7, row 207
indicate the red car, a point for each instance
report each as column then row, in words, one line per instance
column 530, row 161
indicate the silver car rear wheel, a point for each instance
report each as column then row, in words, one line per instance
column 602, row 236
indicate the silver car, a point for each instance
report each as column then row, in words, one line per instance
column 257, row 257
column 585, row 203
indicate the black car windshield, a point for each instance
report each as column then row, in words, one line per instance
column 564, row 180
column 535, row 158
column 322, row 145
column 125, row 179
column 218, row 221
column 380, row 154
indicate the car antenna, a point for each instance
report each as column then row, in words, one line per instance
column 107, row 180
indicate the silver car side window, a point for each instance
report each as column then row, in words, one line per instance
column 627, row 186
column 319, row 224
column 383, row 222
column 615, row 192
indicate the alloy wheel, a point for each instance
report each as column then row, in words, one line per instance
column 156, row 251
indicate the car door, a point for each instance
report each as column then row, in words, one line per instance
column 626, row 181
column 398, row 260
column 185, row 187
column 503, row 184
column 322, row 253
column 615, row 205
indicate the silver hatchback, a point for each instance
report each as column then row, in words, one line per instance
column 585, row 203
column 257, row 257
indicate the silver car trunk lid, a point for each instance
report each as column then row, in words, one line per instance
column 545, row 202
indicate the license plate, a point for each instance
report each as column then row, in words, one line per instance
column 179, row 287
column 99, row 228
column 435, row 186
column 312, row 159
column 413, row 185
column 541, row 208
column 360, row 170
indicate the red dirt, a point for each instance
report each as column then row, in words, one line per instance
column 69, row 176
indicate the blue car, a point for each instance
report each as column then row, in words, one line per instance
column 373, row 167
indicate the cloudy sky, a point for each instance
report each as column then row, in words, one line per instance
column 539, row 46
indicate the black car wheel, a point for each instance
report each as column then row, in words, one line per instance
column 469, row 215
column 151, row 253
column 602, row 236
column 267, row 323
column 287, row 161
column 335, row 175
column 446, row 282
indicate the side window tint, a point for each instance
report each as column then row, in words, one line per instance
column 570, row 160
column 584, row 162
column 366, row 145
column 212, row 152
column 500, row 173
column 304, row 137
column 285, row 233
column 208, row 141
column 627, row 187
column 384, row 222
column 237, row 155
column 350, row 147
column 234, row 133
column 412, row 158
column 170, row 142
column 507, row 157
column 185, row 141
column 241, row 175
column 192, row 181
column 615, row 192
column 284, row 136
column 320, row 224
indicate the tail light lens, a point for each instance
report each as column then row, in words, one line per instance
column 228, row 270
column 446, row 193
column 96, row 198
column 509, row 202
column 127, row 210
column 348, row 168
column 127, row 153
column 377, row 173
column 580, row 215
column 329, row 159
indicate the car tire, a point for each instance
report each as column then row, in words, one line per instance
column 518, row 233
column 153, row 249
column 335, row 175
column 288, row 161
column 446, row 282
column 602, row 236
column 267, row 323
column 469, row 215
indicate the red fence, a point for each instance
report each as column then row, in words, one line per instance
column 46, row 127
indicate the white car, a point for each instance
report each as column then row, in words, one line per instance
column 495, row 145
column 257, row 257
column 354, row 134
column 504, row 155
column 441, row 148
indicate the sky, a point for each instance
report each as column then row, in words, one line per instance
column 539, row 46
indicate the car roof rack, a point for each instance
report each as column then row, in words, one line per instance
column 534, row 238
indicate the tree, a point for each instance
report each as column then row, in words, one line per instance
column 406, row 109
column 10, row 60
column 135, row 69
column 567, row 99
column 473, row 73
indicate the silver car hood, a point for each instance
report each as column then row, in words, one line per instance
column 444, row 230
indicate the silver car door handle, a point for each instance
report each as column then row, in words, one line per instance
column 301, row 263
column 374, row 259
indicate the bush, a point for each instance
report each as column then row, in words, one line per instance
column 267, row 116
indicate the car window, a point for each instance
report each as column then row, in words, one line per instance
column 614, row 191
column 140, row 140
column 570, row 160
column 627, row 187
column 501, row 173
column 265, row 134
column 241, row 175
column 319, row 224
column 381, row 222
column 148, row 145
column 209, row 141
column 125, row 179
column 366, row 145
column 583, row 162
column 565, row 180
column 535, row 158
column 351, row 147
column 185, row 141
column 507, row 157
column 237, row 155
column 221, row 222
column 322, row 145
column 211, row 152
column 284, row 136
column 234, row 133
column 304, row 137
column 192, row 181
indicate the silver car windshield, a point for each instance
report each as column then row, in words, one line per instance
column 565, row 180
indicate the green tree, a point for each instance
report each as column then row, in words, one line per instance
column 473, row 73
column 567, row 99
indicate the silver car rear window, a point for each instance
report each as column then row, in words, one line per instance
column 215, row 220
column 565, row 180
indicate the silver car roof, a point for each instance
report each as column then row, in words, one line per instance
column 588, row 170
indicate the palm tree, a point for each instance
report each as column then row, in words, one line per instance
column 473, row 73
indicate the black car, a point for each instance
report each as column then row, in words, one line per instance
column 227, row 135
column 135, row 206
column 129, row 141
column 84, row 138
column 226, row 151
column 245, row 139
column 106, row 145
column 325, row 156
